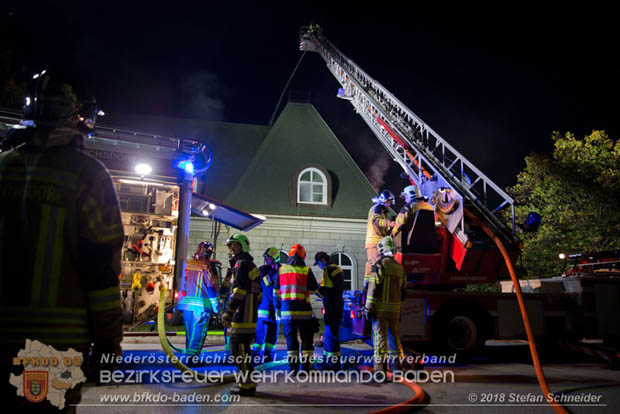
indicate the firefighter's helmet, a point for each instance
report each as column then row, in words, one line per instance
column 411, row 191
column 205, row 248
column 274, row 253
column 386, row 196
column 241, row 239
column 50, row 99
column 385, row 245
column 299, row 250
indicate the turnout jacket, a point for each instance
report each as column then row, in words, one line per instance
column 404, row 220
column 331, row 289
column 293, row 288
column 201, row 286
column 379, row 224
column 268, row 278
column 61, row 236
column 386, row 288
column 245, row 295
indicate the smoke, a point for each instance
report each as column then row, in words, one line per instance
column 377, row 170
column 201, row 96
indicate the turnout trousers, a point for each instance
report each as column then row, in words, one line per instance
column 266, row 339
column 303, row 327
column 241, row 352
column 386, row 341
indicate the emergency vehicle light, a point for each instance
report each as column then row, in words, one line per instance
column 186, row 165
column 143, row 169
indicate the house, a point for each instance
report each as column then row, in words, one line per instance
column 295, row 173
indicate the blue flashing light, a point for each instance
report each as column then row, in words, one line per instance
column 532, row 222
column 187, row 165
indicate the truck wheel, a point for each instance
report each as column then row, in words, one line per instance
column 460, row 333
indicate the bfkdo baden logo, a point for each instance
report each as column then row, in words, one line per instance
column 35, row 385
column 47, row 373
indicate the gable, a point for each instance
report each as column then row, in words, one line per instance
column 300, row 137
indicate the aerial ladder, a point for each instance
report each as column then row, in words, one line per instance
column 456, row 188
column 468, row 200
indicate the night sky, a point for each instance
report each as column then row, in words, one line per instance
column 493, row 82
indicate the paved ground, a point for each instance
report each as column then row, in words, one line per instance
column 502, row 381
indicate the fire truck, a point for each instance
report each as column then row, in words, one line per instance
column 450, row 248
column 154, row 177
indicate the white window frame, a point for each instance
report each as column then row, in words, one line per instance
column 324, row 185
column 352, row 267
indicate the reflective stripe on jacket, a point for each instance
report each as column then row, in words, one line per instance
column 386, row 288
column 331, row 289
column 378, row 225
column 245, row 295
column 293, row 288
column 404, row 220
column 266, row 309
column 201, row 282
column 60, row 246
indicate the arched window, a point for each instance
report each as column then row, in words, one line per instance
column 347, row 265
column 312, row 187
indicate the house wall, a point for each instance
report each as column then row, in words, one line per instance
column 315, row 234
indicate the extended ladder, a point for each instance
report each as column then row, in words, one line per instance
column 425, row 156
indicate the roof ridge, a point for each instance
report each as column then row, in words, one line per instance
column 346, row 159
column 343, row 151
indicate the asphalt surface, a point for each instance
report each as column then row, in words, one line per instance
column 501, row 380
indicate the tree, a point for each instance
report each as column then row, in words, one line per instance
column 576, row 190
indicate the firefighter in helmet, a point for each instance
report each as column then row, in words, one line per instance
column 268, row 322
column 241, row 311
column 386, row 293
column 331, row 287
column 379, row 225
column 60, row 204
column 199, row 299
column 414, row 201
column 293, row 288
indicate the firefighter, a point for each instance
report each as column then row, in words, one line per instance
column 200, row 299
column 240, row 316
column 380, row 223
column 331, row 288
column 268, row 322
column 414, row 201
column 58, row 203
column 386, row 293
column 293, row 288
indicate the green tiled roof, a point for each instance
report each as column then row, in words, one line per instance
column 253, row 164
column 300, row 137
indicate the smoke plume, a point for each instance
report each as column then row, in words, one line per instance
column 201, row 95
column 376, row 172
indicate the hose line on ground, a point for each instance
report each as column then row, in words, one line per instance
column 169, row 348
column 540, row 375
column 419, row 399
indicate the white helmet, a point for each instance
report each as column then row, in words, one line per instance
column 413, row 191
